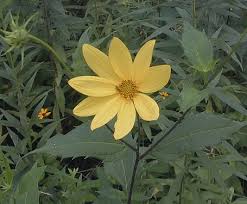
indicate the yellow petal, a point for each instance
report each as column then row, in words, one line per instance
column 146, row 107
column 120, row 58
column 143, row 60
column 90, row 105
column 107, row 112
column 93, row 86
column 156, row 78
column 98, row 62
column 125, row 119
column 47, row 114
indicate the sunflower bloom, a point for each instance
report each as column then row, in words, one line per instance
column 121, row 86
column 43, row 113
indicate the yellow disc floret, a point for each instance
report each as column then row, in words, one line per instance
column 127, row 89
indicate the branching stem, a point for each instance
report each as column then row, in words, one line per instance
column 140, row 157
column 122, row 140
column 165, row 135
column 49, row 48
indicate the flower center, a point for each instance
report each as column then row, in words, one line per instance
column 127, row 89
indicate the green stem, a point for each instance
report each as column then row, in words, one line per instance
column 49, row 48
column 205, row 78
column 164, row 136
column 122, row 140
column 194, row 12
column 136, row 163
column 181, row 190
column 140, row 157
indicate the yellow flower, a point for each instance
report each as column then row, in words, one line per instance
column 163, row 94
column 120, row 86
column 43, row 113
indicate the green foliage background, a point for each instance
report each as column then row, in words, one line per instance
column 60, row 160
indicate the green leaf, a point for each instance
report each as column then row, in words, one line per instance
column 11, row 120
column 29, row 84
column 147, row 129
column 184, row 14
column 164, row 29
column 121, row 169
column 229, row 99
column 27, row 191
column 174, row 189
column 190, row 96
column 107, row 194
column 215, row 80
column 101, row 199
column 60, row 99
column 194, row 133
column 5, row 4
column 82, row 141
column 197, row 48
column 240, row 201
column 46, row 133
column 6, row 175
column 78, row 64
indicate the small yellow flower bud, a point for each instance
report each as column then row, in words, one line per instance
column 163, row 94
column 43, row 113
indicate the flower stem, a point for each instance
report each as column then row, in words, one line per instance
column 128, row 145
column 137, row 159
column 181, row 190
column 194, row 12
column 122, row 140
column 49, row 48
column 165, row 135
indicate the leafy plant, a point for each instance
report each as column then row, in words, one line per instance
column 195, row 152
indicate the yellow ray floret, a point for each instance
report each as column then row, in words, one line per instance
column 120, row 87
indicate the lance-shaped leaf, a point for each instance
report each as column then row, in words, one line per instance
column 195, row 132
column 82, row 141
column 229, row 99
column 27, row 191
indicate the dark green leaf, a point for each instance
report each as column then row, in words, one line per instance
column 196, row 132
column 82, row 141
column 229, row 98
column 27, row 191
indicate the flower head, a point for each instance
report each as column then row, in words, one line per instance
column 43, row 113
column 163, row 94
column 120, row 87
column 18, row 34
